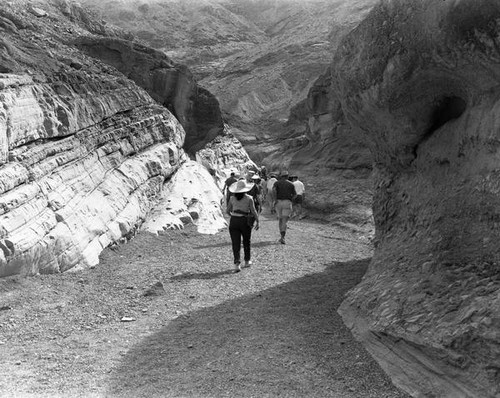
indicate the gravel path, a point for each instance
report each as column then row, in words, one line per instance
column 166, row 317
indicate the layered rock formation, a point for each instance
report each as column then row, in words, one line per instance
column 169, row 84
column 419, row 80
column 84, row 151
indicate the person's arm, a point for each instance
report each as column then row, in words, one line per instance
column 274, row 194
column 253, row 210
column 229, row 207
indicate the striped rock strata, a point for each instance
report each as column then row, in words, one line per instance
column 80, row 168
column 84, row 150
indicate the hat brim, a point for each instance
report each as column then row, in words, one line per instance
column 246, row 188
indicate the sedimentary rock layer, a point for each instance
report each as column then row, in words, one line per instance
column 79, row 170
column 420, row 81
column 170, row 84
column 84, row 151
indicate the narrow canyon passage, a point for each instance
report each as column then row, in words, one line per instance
column 271, row 330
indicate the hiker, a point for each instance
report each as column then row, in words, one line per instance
column 256, row 192
column 299, row 199
column 270, row 194
column 243, row 214
column 284, row 193
column 230, row 181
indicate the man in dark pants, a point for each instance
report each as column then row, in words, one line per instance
column 284, row 193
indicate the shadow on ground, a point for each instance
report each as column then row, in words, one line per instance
column 201, row 275
column 224, row 244
column 286, row 341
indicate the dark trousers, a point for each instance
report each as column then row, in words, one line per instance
column 238, row 228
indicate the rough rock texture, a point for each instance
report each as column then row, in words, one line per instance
column 170, row 84
column 420, row 81
column 318, row 138
column 84, row 151
column 224, row 155
column 320, row 146
column 190, row 197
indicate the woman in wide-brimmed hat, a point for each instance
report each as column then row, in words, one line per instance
column 241, row 208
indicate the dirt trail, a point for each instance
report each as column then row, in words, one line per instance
column 271, row 330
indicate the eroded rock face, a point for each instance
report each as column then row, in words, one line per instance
column 224, row 155
column 84, row 152
column 420, row 81
column 170, row 84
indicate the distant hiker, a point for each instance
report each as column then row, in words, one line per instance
column 299, row 199
column 284, row 193
column 257, row 192
column 230, row 181
column 263, row 172
column 243, row 214
column 270, row 193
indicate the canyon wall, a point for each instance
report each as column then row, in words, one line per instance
column 419, row 81
column 84, row 151
column 170, row 84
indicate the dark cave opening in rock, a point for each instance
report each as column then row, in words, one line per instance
column 446, row 109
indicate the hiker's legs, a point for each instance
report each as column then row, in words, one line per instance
column 298, row 205
column 283, row 209
column 247, row 235
column 270, row 198
column 283, row 224
column 235, row 233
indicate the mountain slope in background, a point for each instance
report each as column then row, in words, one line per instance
column 258, row 57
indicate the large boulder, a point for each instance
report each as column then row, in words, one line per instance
column 420, row 81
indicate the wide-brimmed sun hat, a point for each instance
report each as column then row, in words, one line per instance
column 284, row 173
column 241, row 186
column 256, row 177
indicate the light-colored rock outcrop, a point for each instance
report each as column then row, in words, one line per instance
column 84, row 151
column 420, row 81
column 79, row 169
column 190, row 197
column 224, row 155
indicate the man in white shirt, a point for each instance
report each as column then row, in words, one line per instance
column 299, row 199
column 270, row 195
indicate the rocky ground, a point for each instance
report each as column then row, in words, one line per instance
column 165, row 316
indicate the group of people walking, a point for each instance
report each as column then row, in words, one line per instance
column 244, row 200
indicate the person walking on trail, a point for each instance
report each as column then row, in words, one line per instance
column 256, row 192
column 230, row 181
column 284, row 193
column 270, row 193
column 240, row 207
column 299, row 199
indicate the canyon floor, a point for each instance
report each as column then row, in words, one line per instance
column 165, row 316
